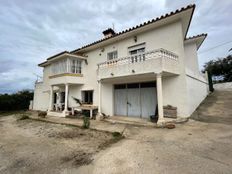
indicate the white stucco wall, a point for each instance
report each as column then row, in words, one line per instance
column 41, row 98
column 168, row 37
column 191, row 57
column 197, row 84
column 41, row 92
column 197, row 91
column 175, row 89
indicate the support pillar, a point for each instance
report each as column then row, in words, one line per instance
column 51, row 99
column 99, row 99
column 66, row 98
column 160, row 98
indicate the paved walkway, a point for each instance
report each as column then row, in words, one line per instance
column 97, row 125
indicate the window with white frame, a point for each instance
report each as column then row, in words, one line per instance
column 112, row 55
column 67, row 66
column 75, row 66
column 59, row 67
column 137, row 52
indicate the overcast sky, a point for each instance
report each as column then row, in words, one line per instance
column 32, row 30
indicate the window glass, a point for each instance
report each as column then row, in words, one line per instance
column 87, row 97
column 112, row 55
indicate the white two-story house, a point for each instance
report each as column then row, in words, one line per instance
column 131, row 73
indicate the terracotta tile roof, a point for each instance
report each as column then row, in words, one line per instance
column 53, row 57
column 140, row 25
column 199, row 35
column 57, row 54
column 204, row 35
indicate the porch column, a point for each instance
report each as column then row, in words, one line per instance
column 51, row 99
column 66, row 98
column 160, row 98
column 99, row 98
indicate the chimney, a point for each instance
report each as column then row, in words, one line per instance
column 108, row 33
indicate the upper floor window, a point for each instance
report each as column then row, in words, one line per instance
column 137, row 49
column 67, row 66
column 112, row 55
column 137, row 52
column 76, row 66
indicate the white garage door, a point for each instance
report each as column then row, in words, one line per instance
column 136, row 100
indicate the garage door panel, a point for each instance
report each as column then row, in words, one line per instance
column 133, row 96
column 120, row 102
column 148, row 101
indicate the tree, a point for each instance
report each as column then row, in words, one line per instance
column 16, row 101
column 220, row 69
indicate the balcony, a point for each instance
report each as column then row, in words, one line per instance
column 67, row 70
column 155, row 61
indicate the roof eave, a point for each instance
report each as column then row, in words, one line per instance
column 140, row 26
column 198, row 39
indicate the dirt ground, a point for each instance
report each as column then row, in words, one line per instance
column 28, row 146
column 202, row 145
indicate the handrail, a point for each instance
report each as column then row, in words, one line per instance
column 140, row 57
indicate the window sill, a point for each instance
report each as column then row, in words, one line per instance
column 65, row 74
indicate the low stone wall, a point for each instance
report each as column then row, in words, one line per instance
column 223, row 86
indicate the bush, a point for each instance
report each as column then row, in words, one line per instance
column 116, row 134
column 42, row 114
column 23, row 117
column 16, row 101
column 86, row 122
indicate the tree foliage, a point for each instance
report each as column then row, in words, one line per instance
column 222, row 67
column 16, row 101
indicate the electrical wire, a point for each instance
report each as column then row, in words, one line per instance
column 214, row 47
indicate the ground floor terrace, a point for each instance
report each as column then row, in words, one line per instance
column 139, row 96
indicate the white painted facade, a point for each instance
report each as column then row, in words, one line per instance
column 169, row 60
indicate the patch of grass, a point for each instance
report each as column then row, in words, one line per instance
column 116, row 136
column 86, row 122
column 78, row 158
column 8, row 113
column 42, row 114
column 22, row 117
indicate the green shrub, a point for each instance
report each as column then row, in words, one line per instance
column 86, row 122
column 116, row 134
column 42, row 114
column 16, row 101
column 23, row 117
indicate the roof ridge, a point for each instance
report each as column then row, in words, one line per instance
column 138, row 26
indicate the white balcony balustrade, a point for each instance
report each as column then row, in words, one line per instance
column 155, row 61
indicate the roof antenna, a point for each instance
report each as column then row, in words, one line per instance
column 113, row 26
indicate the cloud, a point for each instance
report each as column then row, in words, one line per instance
column 31, row 31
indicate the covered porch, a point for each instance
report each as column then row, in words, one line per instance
column 58, row 101
column 147, row 97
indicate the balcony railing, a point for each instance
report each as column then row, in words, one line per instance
column 140, row 58
column 156, row 60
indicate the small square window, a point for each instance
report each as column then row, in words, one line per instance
column 112, row 55
column 87, row 97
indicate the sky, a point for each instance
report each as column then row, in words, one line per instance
column 32, row 30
